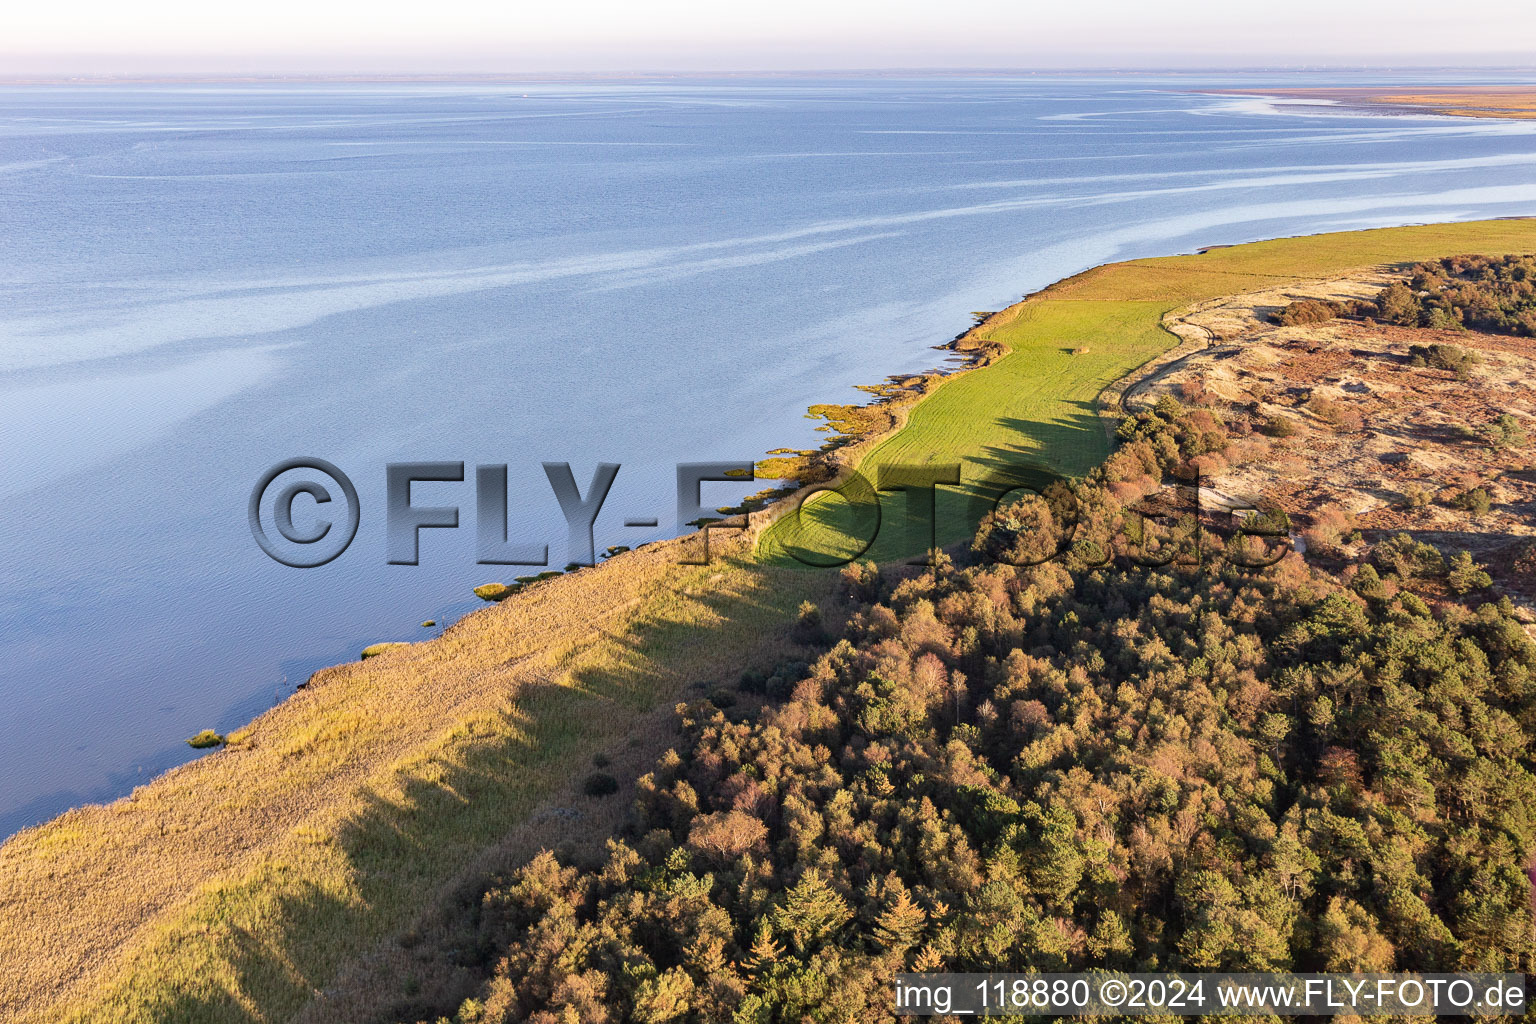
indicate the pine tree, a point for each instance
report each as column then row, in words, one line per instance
column 1350, row 941
column 900, row 924
column 765, row 950
column 1466, row 575
column 1110, row 942
column 811, row 911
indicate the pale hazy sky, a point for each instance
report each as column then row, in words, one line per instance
column 111, row 36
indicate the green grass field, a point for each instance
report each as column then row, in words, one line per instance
column 1038, row 404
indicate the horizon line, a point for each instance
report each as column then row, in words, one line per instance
column 957, row 70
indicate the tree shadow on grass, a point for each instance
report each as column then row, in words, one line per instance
column 180, row 1007
column 415, row 835
column 1070, row 444
column 1045, row 450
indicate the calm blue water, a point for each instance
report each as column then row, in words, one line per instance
column 197, row 282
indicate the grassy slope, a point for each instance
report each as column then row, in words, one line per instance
column 1038, row 402
column 234, row 888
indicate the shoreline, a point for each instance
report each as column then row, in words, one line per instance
column 471, row 744
column 1509, row 103
column 835, row 459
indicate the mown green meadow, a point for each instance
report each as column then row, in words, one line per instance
column 1037, row 406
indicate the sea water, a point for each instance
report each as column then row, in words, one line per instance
column 198, row 281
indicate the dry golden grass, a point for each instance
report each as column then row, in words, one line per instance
column 1516, row 103
column 235, row 887
column 1510, row 101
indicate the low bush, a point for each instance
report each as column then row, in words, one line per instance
column 1307, row 311
column 600, row 784
column 205, row 739
column 1341, row 417
column 1282, row 426
column 1443, row 357
column 1506, row 432
column 1475, row 500
column 1407, row 558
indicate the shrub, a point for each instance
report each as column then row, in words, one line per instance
column 1476, row 501
column 1396, row 304
column 1269, row 522
column 1329, row 529
column 1282, row 426
column 1465, row 575
column 1337, row 415
column 1506, row 432
column 808, row 628
column 1443, row 357
column 1367, row 582
column 1407, row 558
column 1415, row 496
column 1168, row 408
column 599, row 784
column 1307, row 311
column 1193, row 392
column 205, row 739
column 1208, row 465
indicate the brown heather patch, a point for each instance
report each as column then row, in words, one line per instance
column 1379, row 431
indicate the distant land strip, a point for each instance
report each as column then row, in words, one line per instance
column 1503, row 101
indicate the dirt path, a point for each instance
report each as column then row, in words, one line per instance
column 1226, row 320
